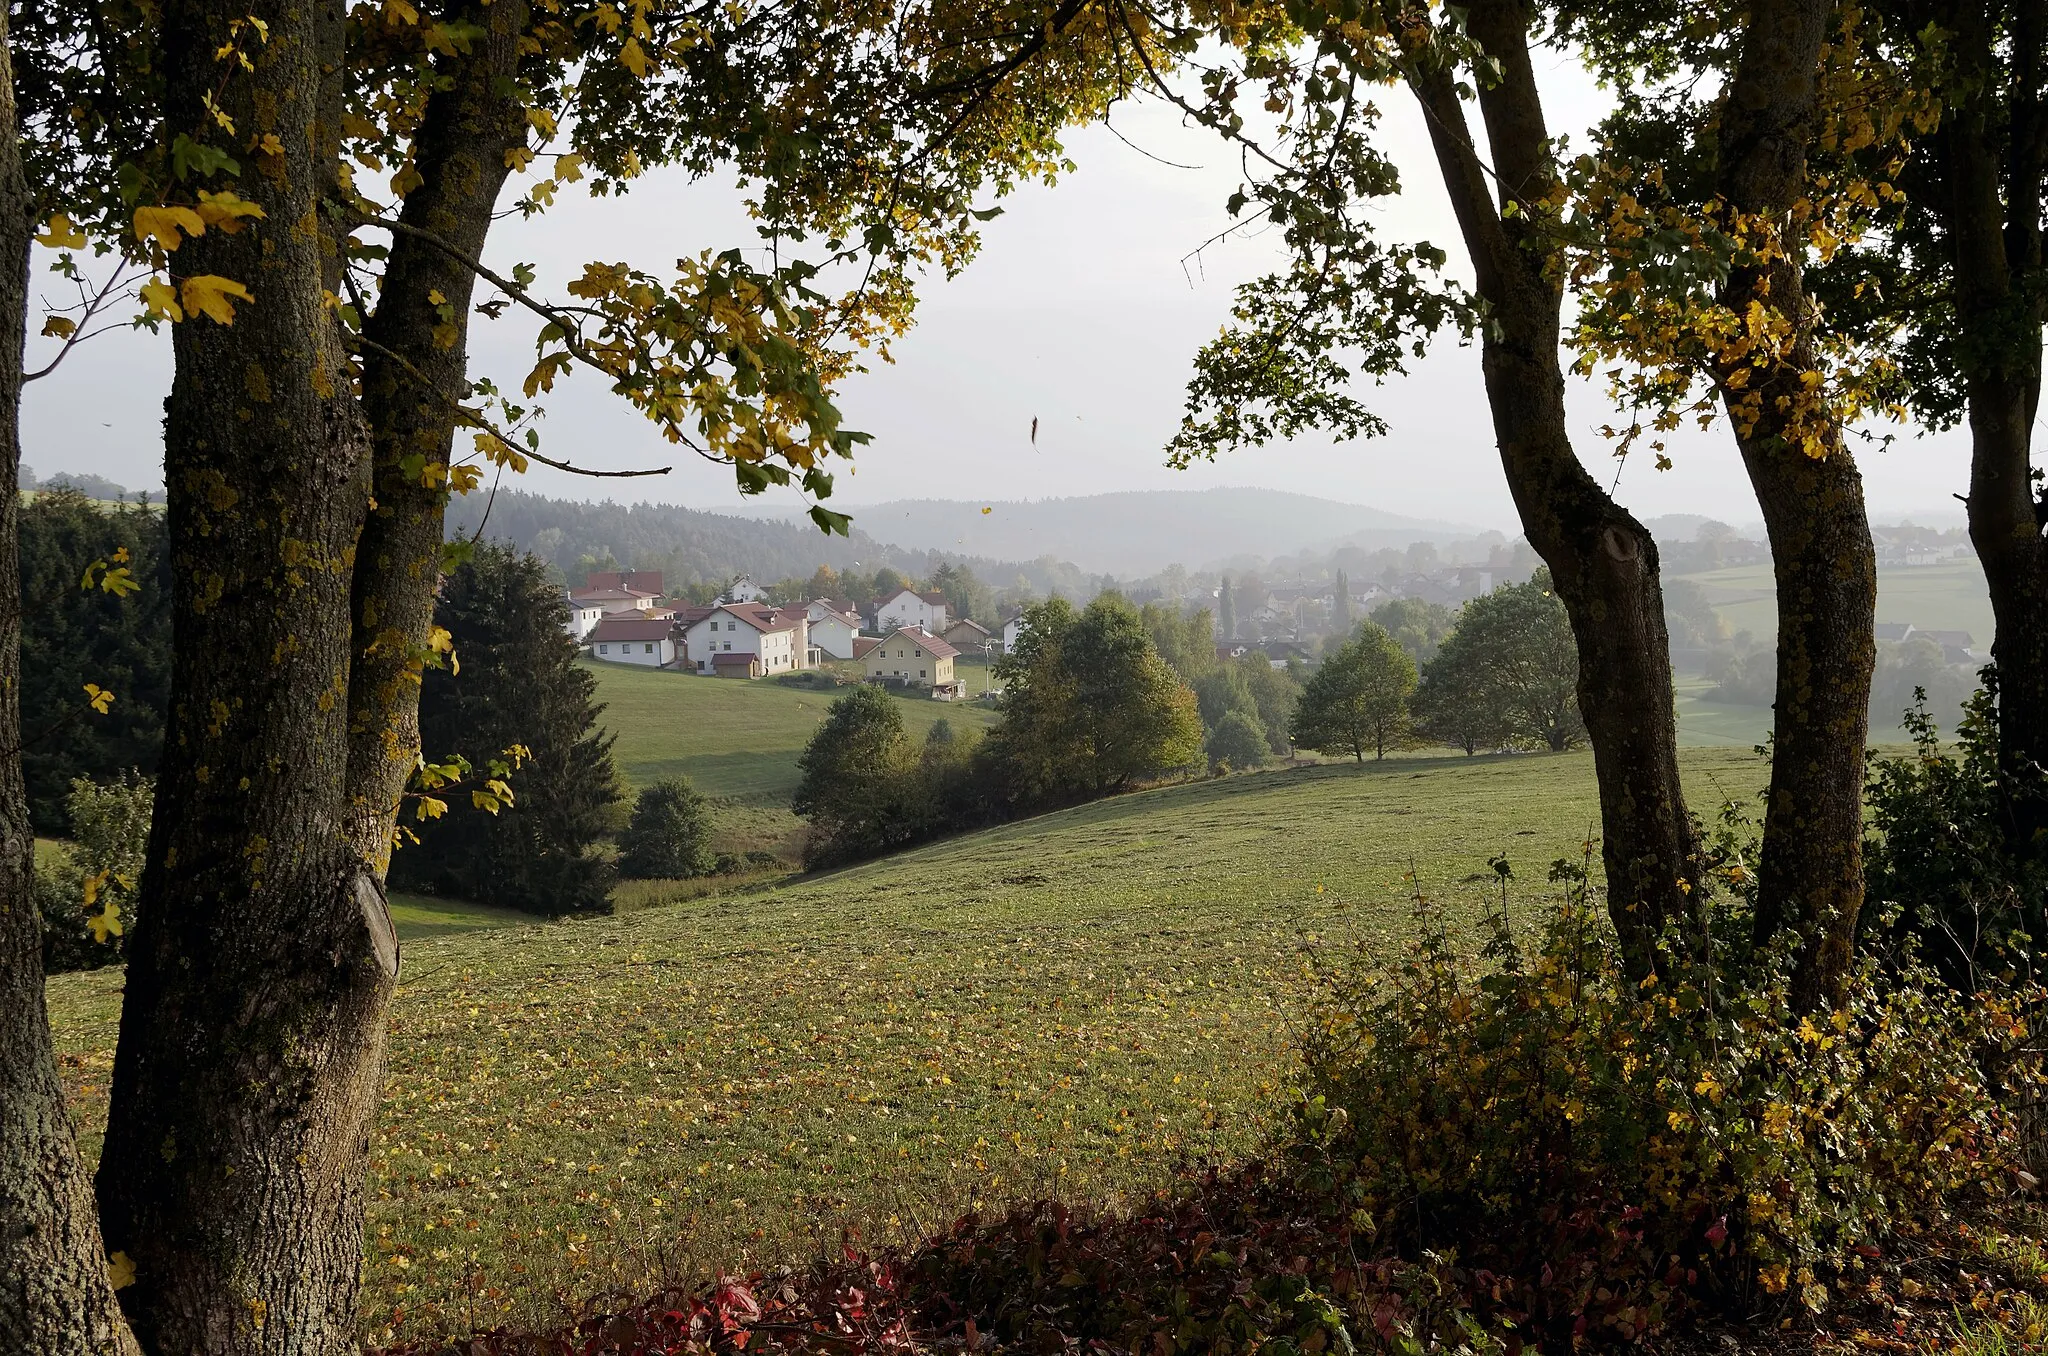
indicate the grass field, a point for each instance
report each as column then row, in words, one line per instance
column 1950, row 596
column 735, row 740
column 1073, row 1004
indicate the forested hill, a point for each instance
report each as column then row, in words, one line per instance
column 1139, row 532
column 690, row 545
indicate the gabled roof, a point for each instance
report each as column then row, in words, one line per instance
column 631, row 628
column 934, row 599
column 734, row 658
column 646, row 581
column 966, row 622
column 691, row 615
column 917, row 635
column 836, row 608
column 602, row 597
column 862, row 644
column 760, row 616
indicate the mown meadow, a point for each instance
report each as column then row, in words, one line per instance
column 1072, row 1005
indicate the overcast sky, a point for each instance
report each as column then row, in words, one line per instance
column 1082, row 312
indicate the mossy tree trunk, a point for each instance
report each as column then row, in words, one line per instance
column 263, row 960
column 1603, row 562
column 1810, row 878
column 56, row 1296
column 415, row 372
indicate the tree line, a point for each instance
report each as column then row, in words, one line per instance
column 1089, row 708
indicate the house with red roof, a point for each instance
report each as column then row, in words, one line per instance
column 778, row 638
column 633, row 639
column 914, row 658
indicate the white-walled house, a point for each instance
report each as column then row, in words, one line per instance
column 1013, row 629
column 907, row 607
column 632, row 639
column 833, row 627
column 615, row 599
column 744, row 590
column 583, row 616
column 715, row 640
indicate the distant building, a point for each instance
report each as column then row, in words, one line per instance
column 744, row 590
column 610, row 600
column 907, row 607
column 910, row 657
column 1013, row 631
column 969, row 636
column 633, row 639
column 1894, row 631
column 582, row 617
column 777, row 638
column 640, row 581
column 834, row 626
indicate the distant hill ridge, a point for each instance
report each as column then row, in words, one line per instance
column 1140, row 532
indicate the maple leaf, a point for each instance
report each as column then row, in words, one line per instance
column 162, row 299
column 226, row 210
column 98, row 698
column 121, row 1270
column 163, row 224
column 209, row 293
column 62, row 234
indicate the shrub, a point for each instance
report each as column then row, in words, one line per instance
column 1623, row 1149
column 1940, row 868
column 100, row 870
column 669, row 835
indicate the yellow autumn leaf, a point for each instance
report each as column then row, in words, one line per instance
column 62, row 234
column 569, row 167
column 163, row 224
column 226, row 209
column 270, row 145
column 988, row 510
column 106, row 923
column 209, row 293
column 59, row 327
column 161, row 299
column 99, row 698
column 121, row 1270
column 517, row 158
column 634, row 58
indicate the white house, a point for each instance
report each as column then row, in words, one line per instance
column 582, row 617
column 1013, row 629
column 907, row 607
column 715, row 640
column 615, row 600
column 744, row 590
column 833, row 626
column 633, row 639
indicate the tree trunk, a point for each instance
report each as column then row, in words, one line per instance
column 412, row 381
column 1810, row 878
column 56, row 1298
column 1602, row 561
column 263, row 960
column 1992, row 217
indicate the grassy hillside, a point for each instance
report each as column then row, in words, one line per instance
column 735, row 740
column 1072, row 1005
column 1950, row 596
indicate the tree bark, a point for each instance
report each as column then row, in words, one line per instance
column 1992, row 218
column 1603, row 562
column 56, row 1297
column 263, row 959
column 1810, row 878
column 415, row 370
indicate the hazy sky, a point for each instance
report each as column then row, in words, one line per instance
column 1081, row 311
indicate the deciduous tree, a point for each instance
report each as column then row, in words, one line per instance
column 1357, row 699
column 1509, row 673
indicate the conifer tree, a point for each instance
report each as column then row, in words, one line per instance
column 514, row 682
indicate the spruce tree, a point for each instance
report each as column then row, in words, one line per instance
column 514, row 682
column 1226, row 612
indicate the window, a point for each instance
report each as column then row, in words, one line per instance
column 920, row 673
column 728, row 645
column 604, row 649
column 650, row 649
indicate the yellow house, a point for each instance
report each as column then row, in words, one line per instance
column 911, row 657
